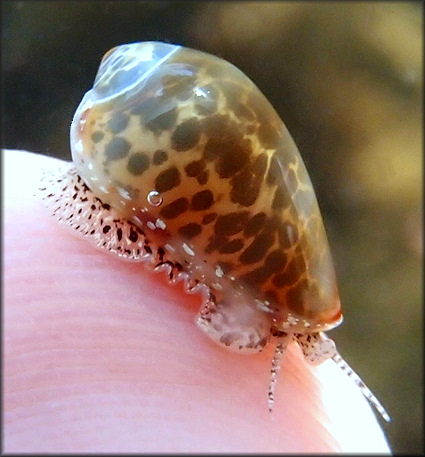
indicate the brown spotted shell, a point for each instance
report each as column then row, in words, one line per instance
column 183, row 144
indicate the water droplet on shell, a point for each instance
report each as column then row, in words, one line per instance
column 154, row 198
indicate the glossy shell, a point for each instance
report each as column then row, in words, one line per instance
column 181, row 163
column 185, row 146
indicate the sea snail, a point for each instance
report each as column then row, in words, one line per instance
column 180, row 162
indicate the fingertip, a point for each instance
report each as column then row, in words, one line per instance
column 352, row 420
column 185, row 383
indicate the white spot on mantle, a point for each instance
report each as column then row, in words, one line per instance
column 219, row 272
column 188, row 250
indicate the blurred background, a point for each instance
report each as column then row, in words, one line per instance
column 346, row 78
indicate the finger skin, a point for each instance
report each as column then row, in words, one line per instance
column 102, row 355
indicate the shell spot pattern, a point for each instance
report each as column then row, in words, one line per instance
column 179, row 161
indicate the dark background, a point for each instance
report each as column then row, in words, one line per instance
column 346, row 78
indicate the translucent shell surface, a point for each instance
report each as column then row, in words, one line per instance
column 186, row 147
column 180, row 162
